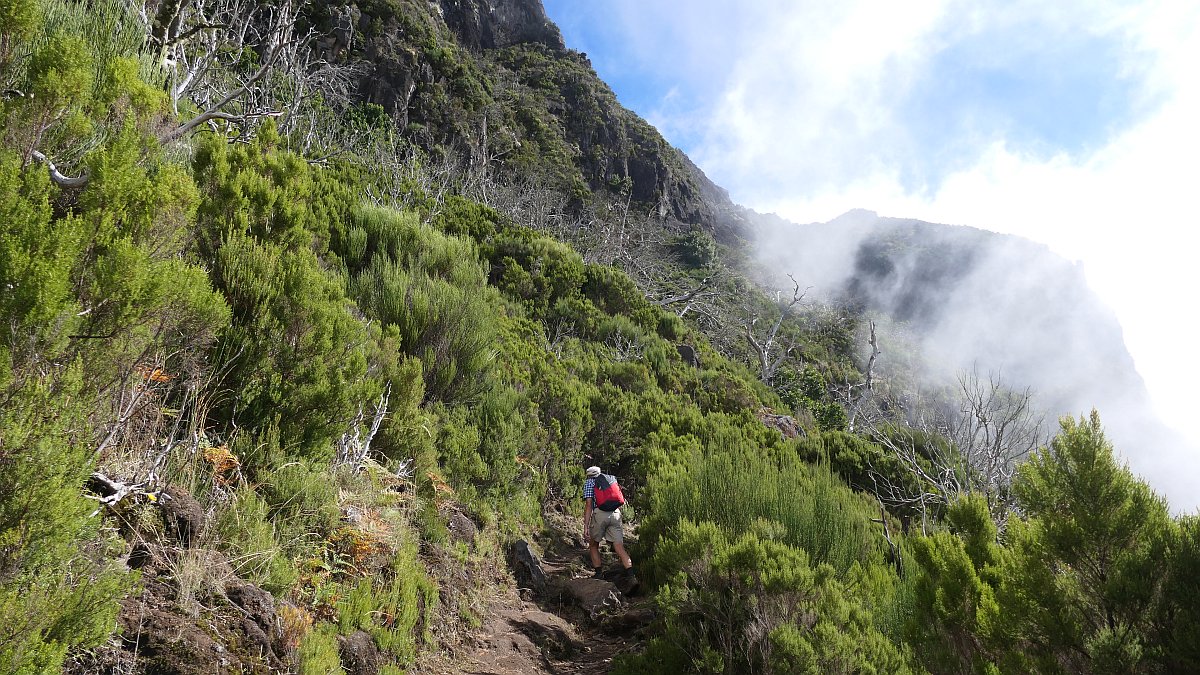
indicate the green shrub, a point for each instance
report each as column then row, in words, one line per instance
column 442, row 313
column 393, row 606
column 356, row 607
column 430, row 523
column 462, row 217
column 60, row 580
column 735, row 486
column 319, row 653
column 406, row 602
column 458, row 446
column 248, row 537
column 538, row 271
column 299, row 357
column 614, row 292
column 751, row 603
column 697, row 249
column 302, row 502
column 670, row 326
column 36, row 259
column 723, row 391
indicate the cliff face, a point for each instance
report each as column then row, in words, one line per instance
column 482, row 25
column 492, row 82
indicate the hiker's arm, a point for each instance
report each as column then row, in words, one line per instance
column 587, row 519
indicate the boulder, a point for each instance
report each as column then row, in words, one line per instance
column 552, row 634
column 526, row 566
column 359, row 654
column 182, row 515
column 257, row 603
column 597, row 597
column 689, row 355
column 784, row 424
column 461, row 527
column 170, row 644
column 632, row 619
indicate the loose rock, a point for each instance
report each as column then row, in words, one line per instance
column 526, row 566
column 182, row 515
column 596, row 596
column 359, row 654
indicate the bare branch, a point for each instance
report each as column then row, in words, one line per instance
column 866, row 388
column 771, row 354
column 973, row 446
column 57, row 176
column 352, row 447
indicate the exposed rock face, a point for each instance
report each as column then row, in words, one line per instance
column 170, row 643
column 495, row 24
column 596, row 596
column 220, row 624
column 526, row 566
column 182, row 515
column 784, row 424
column 437, row 76
column 359, row 654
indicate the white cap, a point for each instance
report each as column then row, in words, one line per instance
column 593, row 471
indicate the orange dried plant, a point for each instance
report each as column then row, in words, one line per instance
column 295, row 623
column 150, row 373
column 223, row 462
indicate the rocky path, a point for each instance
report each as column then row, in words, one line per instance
column 560, row 621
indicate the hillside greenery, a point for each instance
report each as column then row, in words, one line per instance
column 336, row 357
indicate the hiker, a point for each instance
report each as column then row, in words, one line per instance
column 602, row 518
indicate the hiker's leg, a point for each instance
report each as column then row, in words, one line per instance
column 594, row 550
column 597, row 533
column 616, row 535
column 625, row 561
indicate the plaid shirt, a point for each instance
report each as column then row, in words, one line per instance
column 589, row 488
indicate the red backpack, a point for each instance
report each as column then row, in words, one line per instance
column 608, row 493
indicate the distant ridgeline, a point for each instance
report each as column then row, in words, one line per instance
column 309, row 312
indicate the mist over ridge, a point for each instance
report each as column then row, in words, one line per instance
column 971, row 299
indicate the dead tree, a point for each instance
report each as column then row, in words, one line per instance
column 994, row 429
column 772, row 350
column 690, row 297
column 234, row 62
column 857, row 394
column 354, row 446
column 971, row 446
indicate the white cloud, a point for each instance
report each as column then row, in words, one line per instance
column 807, row 124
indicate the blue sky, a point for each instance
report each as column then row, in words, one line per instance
column 1040, row 81
column 1075, row 123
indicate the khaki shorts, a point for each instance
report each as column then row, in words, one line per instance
column 606, row 525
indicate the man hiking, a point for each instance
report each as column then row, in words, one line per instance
column 602, row 518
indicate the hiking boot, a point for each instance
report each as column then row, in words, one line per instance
column 597, row 572
column 631, row 581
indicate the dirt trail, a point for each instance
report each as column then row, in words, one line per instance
column 566, row 623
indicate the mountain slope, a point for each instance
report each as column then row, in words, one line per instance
column 313, row 316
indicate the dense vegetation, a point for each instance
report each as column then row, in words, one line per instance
column 334, row 357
